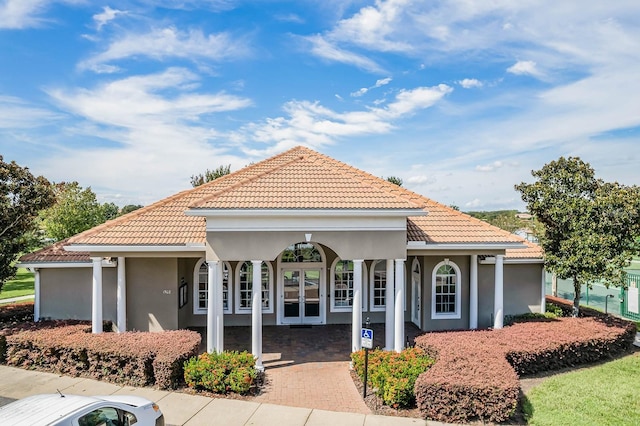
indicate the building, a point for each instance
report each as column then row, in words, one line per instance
column 328, row 244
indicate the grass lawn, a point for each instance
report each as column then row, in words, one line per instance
column 21, row 285
column 607, row 394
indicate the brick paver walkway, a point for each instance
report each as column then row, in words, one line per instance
column 308, row 367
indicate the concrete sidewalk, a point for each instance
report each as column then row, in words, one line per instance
column 191, row 410
column 16, row 299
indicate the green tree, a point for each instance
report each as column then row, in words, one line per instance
column 22, row 196
column 395, row 180
column 75, row 210
column 129, row 208
column 209, row 175
column 110, row 211
column 589, row 226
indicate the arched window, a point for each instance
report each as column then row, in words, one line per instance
column 201, row 287
column 301, row 253
column 342, row 286
column 445, row 291
column 244, row 288
column 378, row 286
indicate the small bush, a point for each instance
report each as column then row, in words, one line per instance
column 392, row 374
column 224, row 372
column 553, row 309
column 529, row 317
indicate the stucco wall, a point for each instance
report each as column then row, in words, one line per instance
column 65, row 293
column 428, row 263
column 152, row 294
column 348, row 244
column 522, row 290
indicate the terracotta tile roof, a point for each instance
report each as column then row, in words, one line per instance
column 55, row 253
column 301, row 179
column 532, row 251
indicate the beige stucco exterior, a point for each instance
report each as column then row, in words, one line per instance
column 153, row 290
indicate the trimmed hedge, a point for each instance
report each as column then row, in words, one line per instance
column 476, row 373
column 393, row 374
column 132, row 358
column 224, row 372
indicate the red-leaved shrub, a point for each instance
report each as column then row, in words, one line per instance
column 476, row 373
column 133, row 358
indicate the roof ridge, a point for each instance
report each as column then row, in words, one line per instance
column 248, row 179
column 383, row 184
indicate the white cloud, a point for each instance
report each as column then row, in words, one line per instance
column 107, row 15
column 419, row 179
column 475, row 203
column 19, row 14
column 165, row 43
column 360, row 92
column 469, row 83
column 378, row 83
column 383, row 82
column 291, row 17
column 147, row 124
column 490, row 167
column 329, row 51
column 16, row 113
column 315, row 125
column 524, row 68
column 140, row 100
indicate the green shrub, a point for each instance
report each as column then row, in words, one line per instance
column 393, row 375
column 551, row 308
column 223, row 372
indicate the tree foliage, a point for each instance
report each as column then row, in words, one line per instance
column 22, row 196
column 589, row 226
column 395, row 180
column 503, row 219
column 209, row 175
column 75, row 210
column 129, row 208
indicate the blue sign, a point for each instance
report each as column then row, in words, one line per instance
column 367, row 338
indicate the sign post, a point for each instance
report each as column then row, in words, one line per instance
column 367, row 343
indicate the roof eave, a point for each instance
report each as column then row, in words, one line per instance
column 306, row 212
column 423, row 245
column 135, row 248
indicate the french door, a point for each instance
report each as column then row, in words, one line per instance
column 302, row 296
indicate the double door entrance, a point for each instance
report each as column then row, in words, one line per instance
column 302, row 296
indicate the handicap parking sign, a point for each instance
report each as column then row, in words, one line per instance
column 367, row 338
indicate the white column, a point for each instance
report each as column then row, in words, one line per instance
column 498, row 303
column 399, row 306
column 473, row 292
column 121, row 296
column 256, row 313
column 212, row 277
column 356, row 311
column 390, row 313
column 543, row 299
column 36, row 299
column 554, row 285
column 219, row 300
column 96, row 296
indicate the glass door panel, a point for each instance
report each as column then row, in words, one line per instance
column 311, row 290
column 291, row 282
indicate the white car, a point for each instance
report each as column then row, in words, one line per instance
column 76, row 410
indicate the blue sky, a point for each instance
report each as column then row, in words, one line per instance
column 461, row 98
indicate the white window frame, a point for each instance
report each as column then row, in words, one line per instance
column 372, row 290
column 197, row 310
column 458, row 287
column 334, row 308
column 241, row 310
